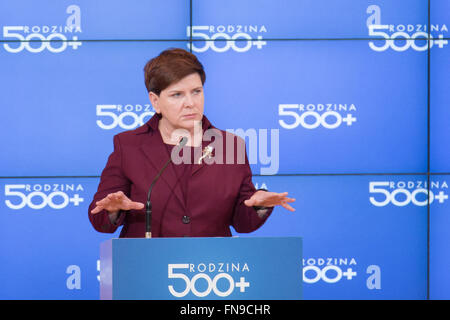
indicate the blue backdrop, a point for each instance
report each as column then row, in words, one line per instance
column 352, row 92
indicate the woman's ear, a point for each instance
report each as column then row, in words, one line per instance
column 154, row 99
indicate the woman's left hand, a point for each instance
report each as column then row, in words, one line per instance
column 270, row 199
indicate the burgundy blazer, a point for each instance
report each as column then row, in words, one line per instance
column 215, row 194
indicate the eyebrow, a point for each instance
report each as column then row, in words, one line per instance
column 177, row 91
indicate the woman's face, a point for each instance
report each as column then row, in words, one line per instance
column 181, row 103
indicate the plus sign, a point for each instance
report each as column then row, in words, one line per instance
column 242, row 284
column 259, row 43
column 441, row 197
column 74, row 43
column 441, row 42
column 349, row 273
column 349, row 119
column 76, row 200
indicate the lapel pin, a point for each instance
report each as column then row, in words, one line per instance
column 207, row 151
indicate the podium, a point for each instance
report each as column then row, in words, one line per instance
column 201, row 268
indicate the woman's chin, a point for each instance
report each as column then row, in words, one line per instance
column 189, row 123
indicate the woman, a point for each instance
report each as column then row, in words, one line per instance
column 194, row 197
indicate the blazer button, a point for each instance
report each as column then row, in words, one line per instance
column 186, row 219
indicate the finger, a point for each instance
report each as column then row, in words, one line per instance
column 102, row 202
column 137, row 205
column 277, row 196
column 97, row 209
column 288, row 207
column 249, row 203
column 120, row 196
column 282, row 198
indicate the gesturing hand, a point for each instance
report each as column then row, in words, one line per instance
column 270, row 199
column 117, row 201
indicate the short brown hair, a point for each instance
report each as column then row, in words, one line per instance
column 169, row 67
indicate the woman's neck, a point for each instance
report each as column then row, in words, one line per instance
column 171, row 135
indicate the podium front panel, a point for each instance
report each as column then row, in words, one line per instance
column 201, row 268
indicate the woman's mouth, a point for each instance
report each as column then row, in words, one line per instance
column 189, row 116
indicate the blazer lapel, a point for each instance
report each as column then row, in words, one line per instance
column 156, row 152
column 198, row 155
column 205, row 126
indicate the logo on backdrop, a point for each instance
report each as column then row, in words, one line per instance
column 40, row 196
column 333, row 270
column 329, row 270
column 127, row 117
column 401, row 37
column 263, row 145
column 221, row 279
column 261, row 185
column 39, row 38
column 403, row 193
column 312, row 116
column 222, row 38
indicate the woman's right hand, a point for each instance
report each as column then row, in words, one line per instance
column 114, row 202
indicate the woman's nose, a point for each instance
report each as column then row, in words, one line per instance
column 189, row 101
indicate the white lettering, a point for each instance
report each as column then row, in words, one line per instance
column 74, row 279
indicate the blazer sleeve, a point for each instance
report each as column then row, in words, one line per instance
column 247, row 219
column 112, row 180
